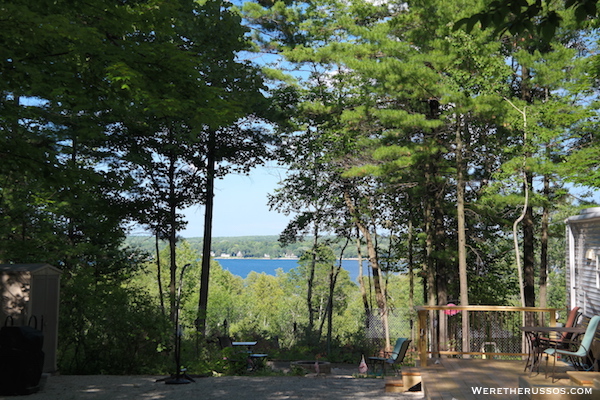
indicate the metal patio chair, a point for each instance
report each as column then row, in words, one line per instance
column 394, row 358
column 583, row 353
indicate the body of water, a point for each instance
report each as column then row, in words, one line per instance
column 243, row 266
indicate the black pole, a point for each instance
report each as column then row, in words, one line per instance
column 179, row 377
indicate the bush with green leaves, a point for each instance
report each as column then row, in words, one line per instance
column 107, row 328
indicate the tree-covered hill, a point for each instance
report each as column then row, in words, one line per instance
column 246, row 246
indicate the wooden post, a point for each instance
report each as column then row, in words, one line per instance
column 423, row 337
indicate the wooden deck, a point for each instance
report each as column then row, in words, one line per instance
column 458, row 379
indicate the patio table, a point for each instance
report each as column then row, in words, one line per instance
column 248, row 345
column 535, row 348
column 255, row 361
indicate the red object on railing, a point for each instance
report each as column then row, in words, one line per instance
column 451, row 312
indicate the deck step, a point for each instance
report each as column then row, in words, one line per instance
column 394, row 385
column 410, row 378
column 583, row 378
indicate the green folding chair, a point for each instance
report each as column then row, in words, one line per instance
column 394, row 358
column 582, row 357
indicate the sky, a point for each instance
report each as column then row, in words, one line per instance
column 240, row 207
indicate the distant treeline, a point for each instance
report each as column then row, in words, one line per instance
column 248, row 246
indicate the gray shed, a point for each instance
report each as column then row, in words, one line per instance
column 28, row 291
column 583, row 261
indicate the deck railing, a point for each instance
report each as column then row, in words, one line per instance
column 489, row 331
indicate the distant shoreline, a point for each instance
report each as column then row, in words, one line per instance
column 250, row 248
column 273, row 258
column 255, row 258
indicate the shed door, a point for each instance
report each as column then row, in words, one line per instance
column 44, row 306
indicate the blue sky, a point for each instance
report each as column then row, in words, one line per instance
column 241, row 206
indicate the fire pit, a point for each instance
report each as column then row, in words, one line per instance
column 324, row 366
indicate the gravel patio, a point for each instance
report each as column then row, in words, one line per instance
column 340, row 384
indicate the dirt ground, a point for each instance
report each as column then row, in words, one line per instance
column 340, row 384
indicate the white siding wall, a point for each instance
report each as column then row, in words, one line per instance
column 583, row 274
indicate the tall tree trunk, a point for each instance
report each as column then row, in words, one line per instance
column 333, row 276
column 172, row 243
column 430, row 265
column 159, row 272
column 523, row 213
column 73, row 165
column 309, row 292
column 411, row 274
column 528, row 224
column 374, row 264
column 442, row 270
column 462, row 237
column 361, row 279
column 528, row 251
column 207, row 239
column 543, row 282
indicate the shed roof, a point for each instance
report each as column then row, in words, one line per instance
column 33, row 268
column 585, row 215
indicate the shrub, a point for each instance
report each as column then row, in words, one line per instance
column 106, row 328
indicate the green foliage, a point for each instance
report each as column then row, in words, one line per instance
column 557, row 291
column 106, row 328
column 391, row 90
column 235, row 361
column 557, row 271
column 266, row 308
column 298, row 370
column 538, row 18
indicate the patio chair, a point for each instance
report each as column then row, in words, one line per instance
column 580, row 356
column 564, row 339
column 596, row 348
column 395, row 357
